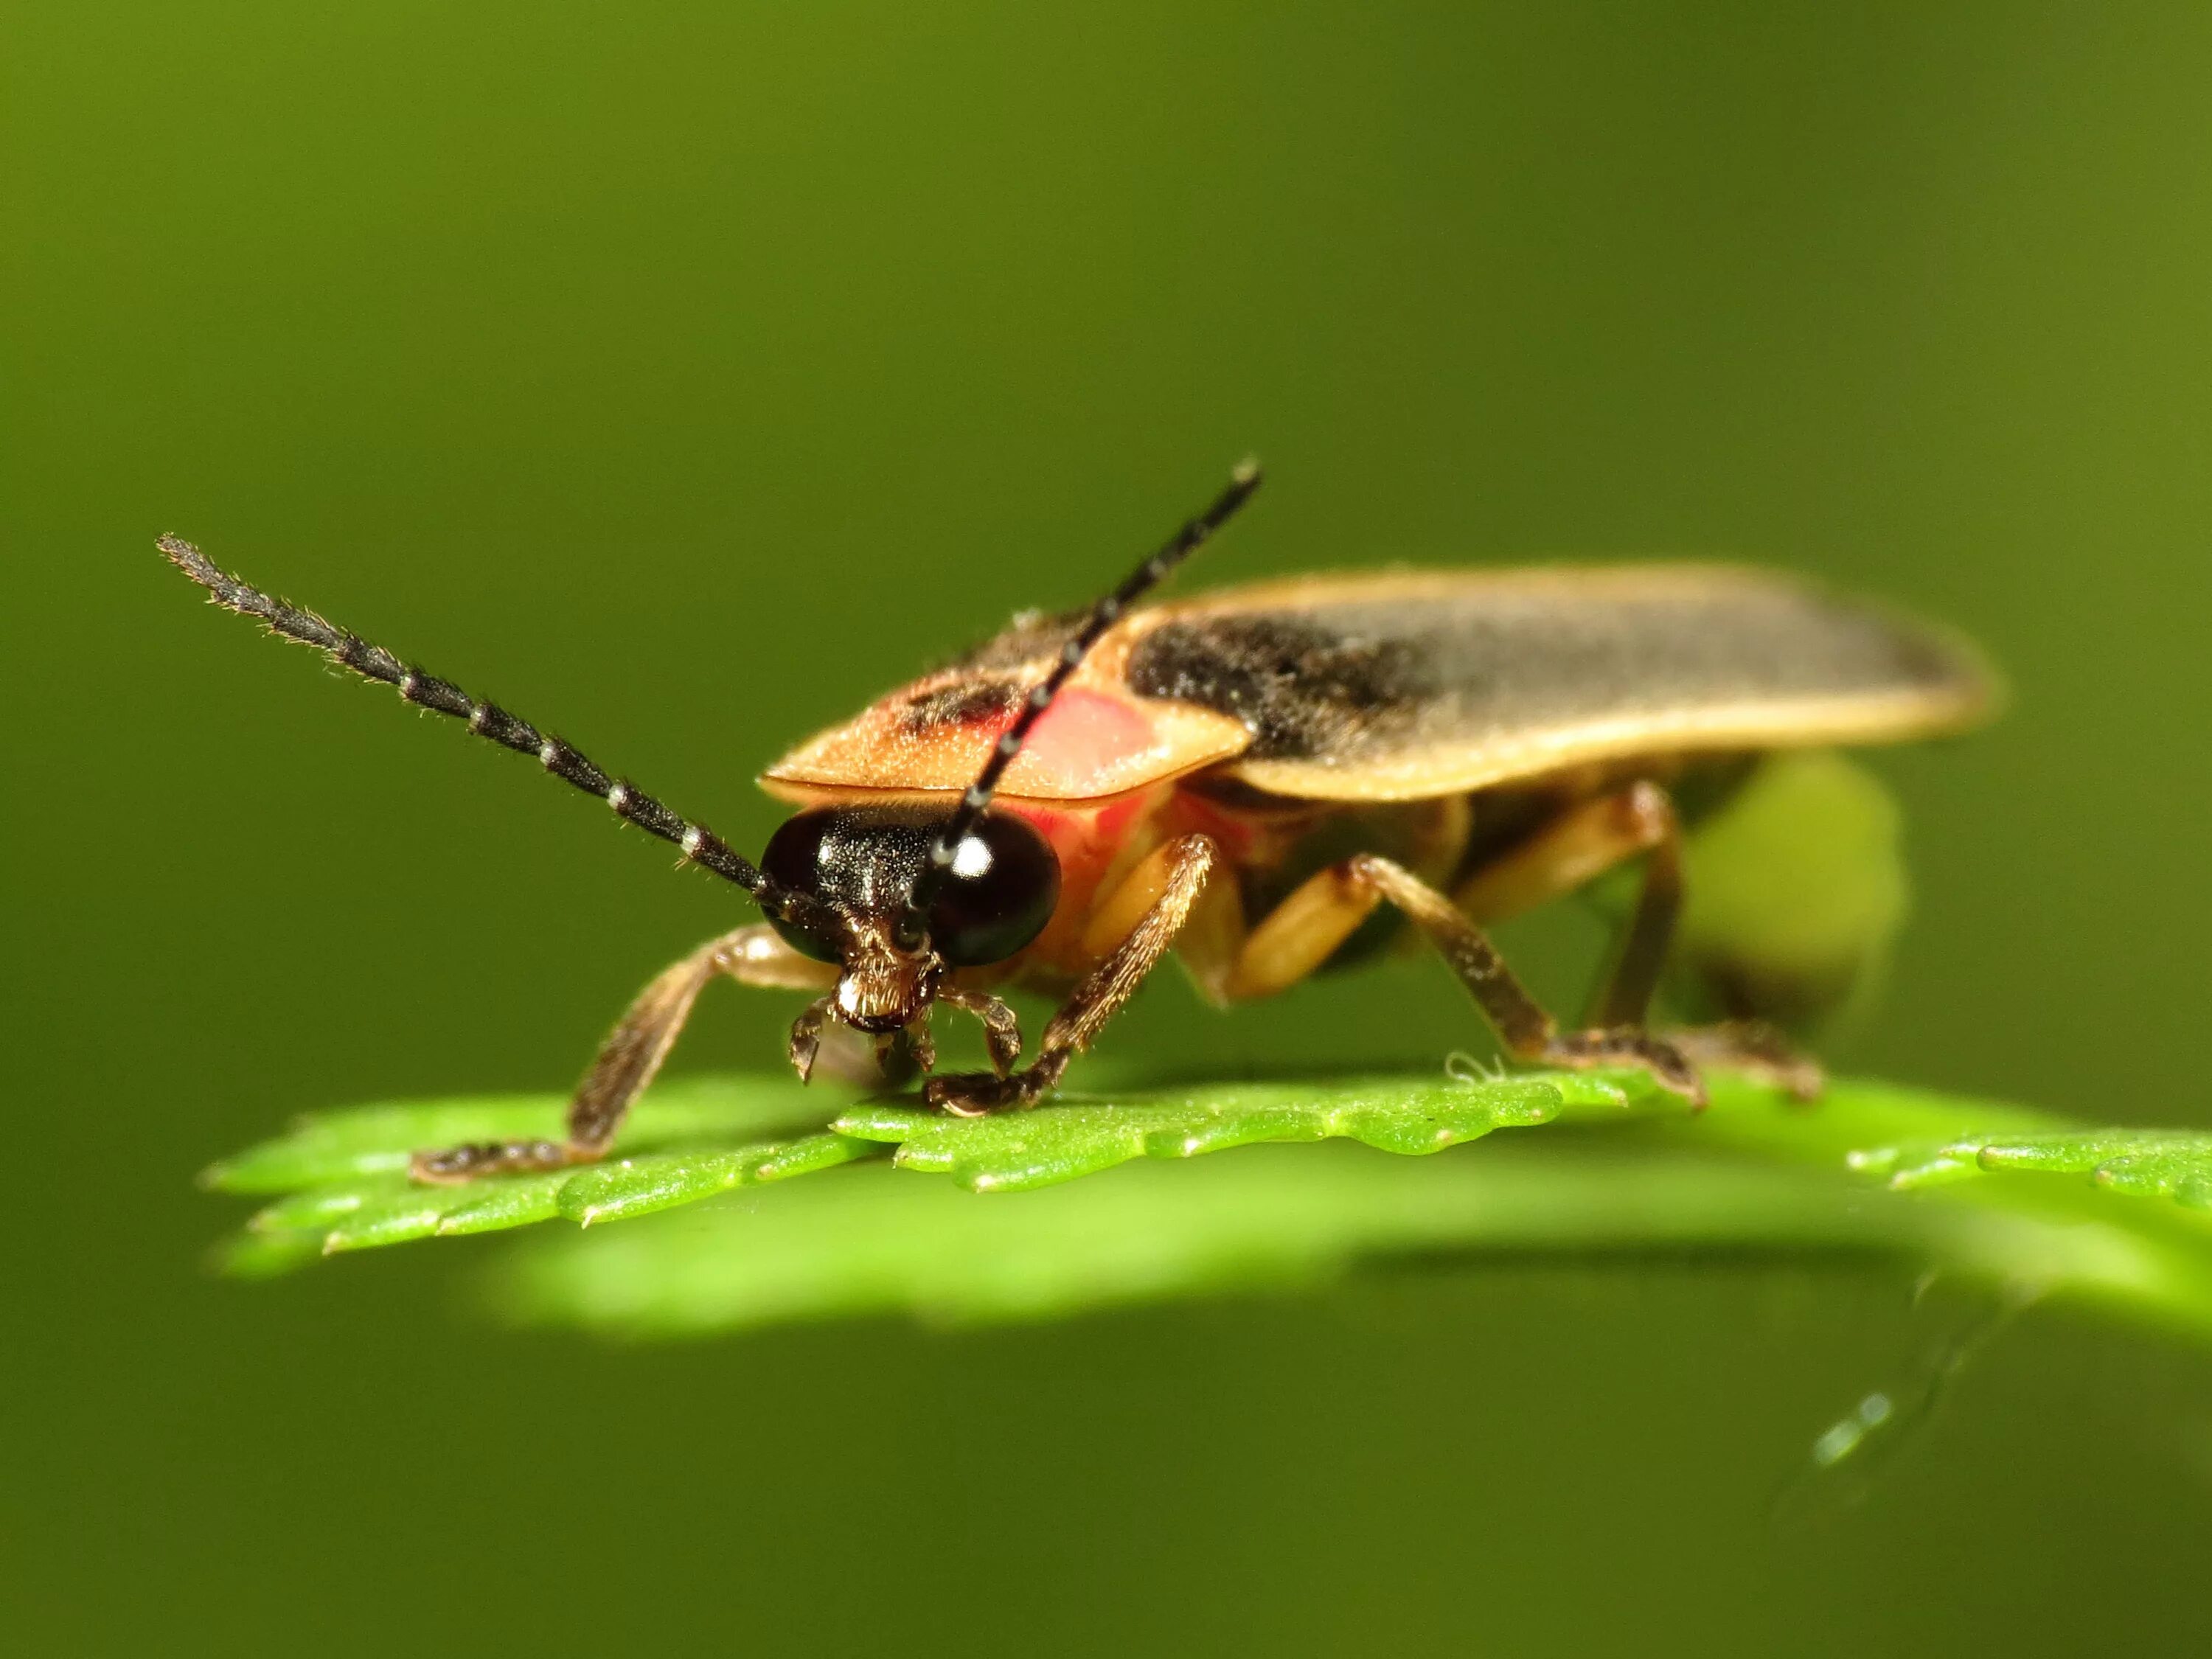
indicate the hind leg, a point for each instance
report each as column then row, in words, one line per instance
column 1624, row 995
column 1583, row 843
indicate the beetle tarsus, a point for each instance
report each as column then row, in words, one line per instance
column 456, row 1166
column 1753, row 1047
column 976, row 1094
column 962, row 1094
column 806, row 1036
column 1628, row 1045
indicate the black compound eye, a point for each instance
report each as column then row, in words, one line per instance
column 794, row 860
column 999, row 894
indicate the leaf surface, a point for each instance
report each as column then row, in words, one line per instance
column 2018, row 1200
column 344, row 1178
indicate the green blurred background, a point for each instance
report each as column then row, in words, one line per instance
column 683, row 375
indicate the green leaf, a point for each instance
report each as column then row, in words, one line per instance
column 1014, row 1152
column 324, row 1147
column 2175, row 1163
column 345, row 1174
column 877, row 1241
column 882, row 1241
column 639, row 1186
column 1872, row 1168
column 346, row 1186
column 1756, row 1172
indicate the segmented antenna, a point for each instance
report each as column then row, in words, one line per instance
column 701, row 845
column 1243, row 481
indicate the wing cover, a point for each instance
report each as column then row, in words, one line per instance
column 1401, row 686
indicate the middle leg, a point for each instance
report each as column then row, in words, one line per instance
column 1301, row 933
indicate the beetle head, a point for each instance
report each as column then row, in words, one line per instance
column 896, row 894
column 855, row 869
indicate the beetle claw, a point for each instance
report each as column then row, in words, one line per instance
column 1628, row 1045
column 456, row 1166
column 976, row 1094
column 944, row 1094
column 1755, row 1048
column 806, row 1037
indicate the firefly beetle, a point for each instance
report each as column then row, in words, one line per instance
column 1243, row 777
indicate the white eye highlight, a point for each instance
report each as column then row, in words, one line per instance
column 971, row 858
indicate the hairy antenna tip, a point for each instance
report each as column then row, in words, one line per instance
column 1246, row 471
column 189, row 559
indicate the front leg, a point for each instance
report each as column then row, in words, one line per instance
column 1167, row 884
column 626, row 1061
column 1002, row 1032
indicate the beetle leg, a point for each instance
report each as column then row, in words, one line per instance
column 1582, row 845
column 806, row 1036
column 1644, row 818
column 901, row 1053
column 1233, row 963
column 1175, row 875
column 1568, row 853
column 1528, row 1032
column 758, row 956
column 1752, row 1046
column 1624, row 997
column 626, row 1061
column 1298, row 935
column 1002, row 1032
